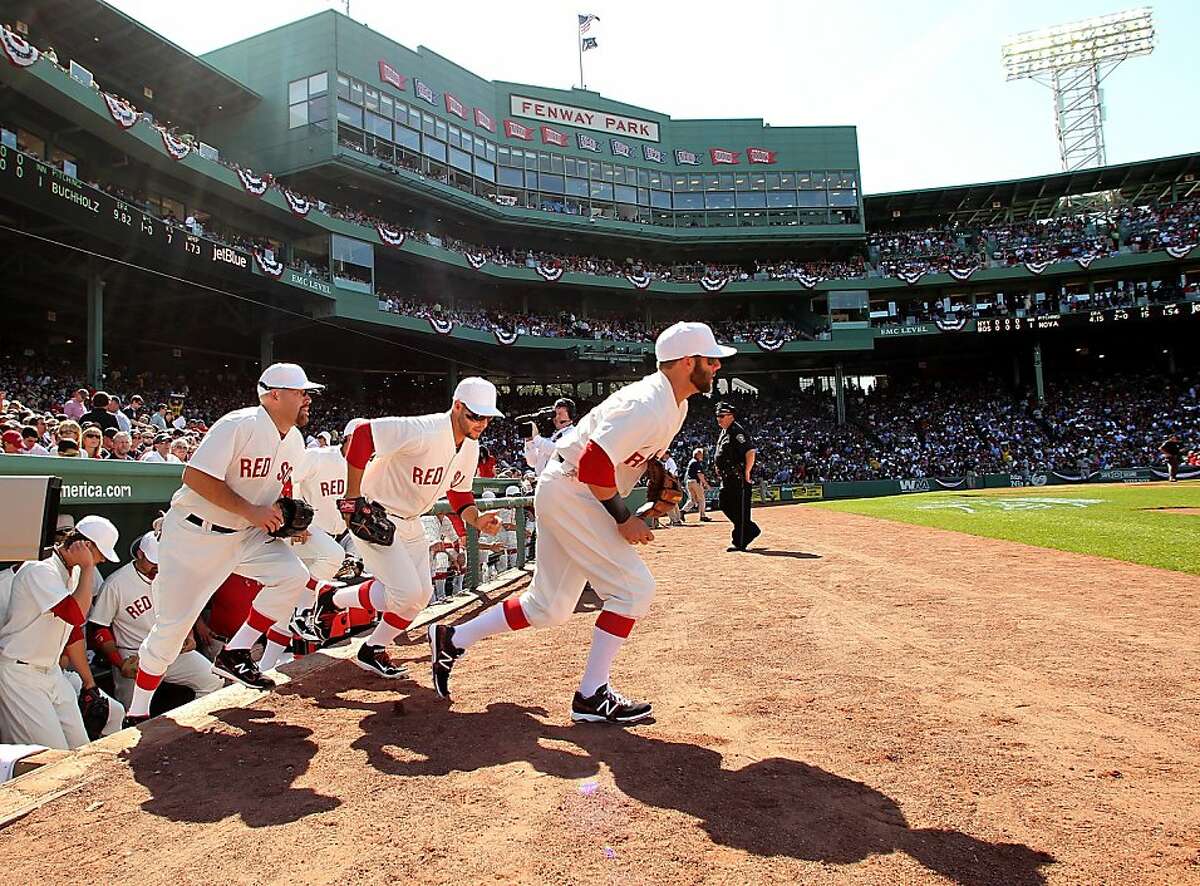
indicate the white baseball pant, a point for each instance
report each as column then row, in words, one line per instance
column 194, row 561
column 191, row 669
column 321, row 554
column 402, row 567
column 578, row 543
column 37, row 706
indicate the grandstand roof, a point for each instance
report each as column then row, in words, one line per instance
column 185, row 89
column 1034, row 197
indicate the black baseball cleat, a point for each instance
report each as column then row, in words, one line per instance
column 130, row 721
column 606, row 705
column 376, row 660
column 734, row 549
column 753, row 534
column 304, row 625
column 351, row 569
column 236, row 665
column 442, row 655
column 706, row 519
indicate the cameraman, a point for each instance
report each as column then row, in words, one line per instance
column 542, row 430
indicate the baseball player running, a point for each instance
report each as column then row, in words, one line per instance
column 320, row 479
column 220, row 522
column 46, row 614
column 122, row 614
column 397, row 469
column 587, row 531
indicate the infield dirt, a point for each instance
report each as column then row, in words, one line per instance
column 855, row 701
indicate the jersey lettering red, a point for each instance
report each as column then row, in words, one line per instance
column 255, row 467
column 428, row 476
column 634, row 460
column 139, row 607
column 333, row 487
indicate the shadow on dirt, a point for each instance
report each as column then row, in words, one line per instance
column 795, row 555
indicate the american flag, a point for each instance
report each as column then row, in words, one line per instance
column 585, row 22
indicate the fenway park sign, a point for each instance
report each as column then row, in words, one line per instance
column 583, row 118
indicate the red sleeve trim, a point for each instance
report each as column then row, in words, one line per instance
column 362, row 446
column 76, row 635
column 68, row 610
column 102, row 635
column 460, row 501
column 595, row 467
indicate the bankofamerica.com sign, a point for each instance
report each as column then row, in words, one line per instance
column 582, row 118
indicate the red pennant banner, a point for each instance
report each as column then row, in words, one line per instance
column 513, row 129
column 553, row 137
column 722, row 156
column 482, row 118
column 454, row 106
column 759, row 155
column 388, row 74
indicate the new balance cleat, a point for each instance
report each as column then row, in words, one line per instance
column 236, row 665
column 606, row 705
column 442, row 656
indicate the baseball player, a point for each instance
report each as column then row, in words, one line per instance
column 121, row 617
column 320, row 479
column 586, row 529
column 46, row 614
column 401, row 466
column 220, row 522
column 539, row 448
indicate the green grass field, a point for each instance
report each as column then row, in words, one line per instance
column 1125, row 522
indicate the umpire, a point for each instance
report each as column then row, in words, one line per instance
column 734, row 462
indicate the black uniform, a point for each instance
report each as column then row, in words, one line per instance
column 734, row 499
column 1173, row 453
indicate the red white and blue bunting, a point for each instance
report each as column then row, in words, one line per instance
column 440, row 326
column 476, row 259
column 639, row 281
column 121, row 111
column 963, row 274
column 550, row 275
column 1036, row 267
column 713, row 284
column 18, row 50
column 269, row 265
column 770, row 341
column 508, row 339
column 300, row 206
column 1180, row 251
column 254, row 185
column 176, row 147
column 951, row 324
column 1085, row 261
column 391, row 237
column 910, row 277
column 809, row 282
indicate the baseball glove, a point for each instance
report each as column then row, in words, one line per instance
column 663, row 492
column 297, row 515
column 94, row 707
column 368, row 520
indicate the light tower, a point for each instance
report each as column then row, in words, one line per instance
column 1073, row 60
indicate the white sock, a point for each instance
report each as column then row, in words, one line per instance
column 490, row 621
column 139, row 705
column 348, row 597
column 270, row 657
column 383, row 634
column 605, row 647
column 244, row 638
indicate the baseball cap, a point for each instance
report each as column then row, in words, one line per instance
column 351, row 426
column 512, row 490
column 65, row 523
column 326, row 436
column 724, row 408
column 286, row 375
column 488, row 495
column 13, row 437
column 479, row 396
column 101, row 532
column 689, row 340
column 148, row 545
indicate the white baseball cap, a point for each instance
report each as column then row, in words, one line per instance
column 479, row 396
column 101, row 532
column 325, row 435
column 148, row 546
column 351, row 425
column 286, row 375
column 488, row 494
column 512, row 490
column 689, row 340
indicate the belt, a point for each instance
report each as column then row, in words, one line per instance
column 211, row 527
column 45, row 669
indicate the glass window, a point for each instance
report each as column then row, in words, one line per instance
column 505, row 158
column 298, row 115
column 427, row 123
column 842, row 180
column 843, row 198
column 751, row 200
column 681, row 183
column 378, row 125
column 812, row 198
column 531, row 160
column 514, row 178
column 711, row 182
column 719, row 200
column 343, row 86
column 643, row 178
column 356, row 92
column 741, row 182
column 440, row 129
column 726, row 181
column 655, row 179
column 577, row 186
column 689, row 201
column 602, row 191
column 787, row 181
column 606, row 171
column 804, row 181
column 625, row 193
column 348, row 113
column 569, row 165
column 371, row 99
column 818, row 180
column 594, row 169
column 552, row 183
column 619, row 174
column 772, row 179
column 758, row 181
column 468, row 142
column 385, row 105
column 455, row 136
column 643, row 196
column 660, row 199
column 318, row 110
column 401, row 112
column 414, row 117
column 556, row 163
column 781, row 198
column 408, row 138
column 431, row 147
column 544, row 162
column 531, row 179
column 814, row 217
column 297, row 91
column 486, row 170
column 491, row 152
column 460, row 159
column 318, row 83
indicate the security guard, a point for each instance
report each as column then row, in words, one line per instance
column 735, row 464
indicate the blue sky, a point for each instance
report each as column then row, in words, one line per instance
column 921, row 80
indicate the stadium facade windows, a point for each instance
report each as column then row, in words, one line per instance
column 308, row 101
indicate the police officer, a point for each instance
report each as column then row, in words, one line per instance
column 735, row 464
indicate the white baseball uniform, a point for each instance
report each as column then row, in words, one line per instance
column 578, row 541
column 125, row 603
column 73, row 685
column 202, row 543
column 36, row 704
column 320, row 479
column 415, row 462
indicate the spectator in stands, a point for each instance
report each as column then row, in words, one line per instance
column 160, row 453
column 159, row 417
column 122, row 446
column 32, row 441
column 99, row 413
column 114, row 409
column 136, row 410
column 75, row 408
column 13, row 444
column 180, row 451
column 92, row 442
column 68, row 448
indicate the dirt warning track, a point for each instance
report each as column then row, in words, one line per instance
column 857, row 701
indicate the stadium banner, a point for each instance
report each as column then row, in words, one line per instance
column 176, row 148
column 454, row 106
column 722, row 156
column 475, row 259
column 951, row 324
column 910, row 277
column 760, row 155
column 713, row 284
column 255, row 185
column 390, row 236
column 809, row 282
column 440, row 326
column 640, row 281
column 303, row 281
column 1036, row 267
column 550, row 275
column 268, row 264
column 587, row 142
column 802, row 492
column 1180, row 251
column 582, row 118
column 1085, row 261
column 620, row 149
column 300, row 206
column 897, row 331
column 43, row 188
column 484, row 120
column 388, row 74
column 684, row 157
column 120, row 110
column 963, row 274
column 504, row 337
column 19, row 52
column 770, row 341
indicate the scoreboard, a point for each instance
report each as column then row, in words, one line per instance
column 1087, row 318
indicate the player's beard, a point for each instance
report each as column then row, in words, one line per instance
column 702, row 376
column 302, row 417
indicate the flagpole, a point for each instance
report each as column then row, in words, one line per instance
column 579, row 46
